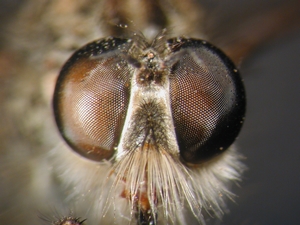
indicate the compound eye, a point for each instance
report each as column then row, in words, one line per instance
column 91, row 98
column 207, row 100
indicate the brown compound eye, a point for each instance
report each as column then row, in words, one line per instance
column 207, row 100
column 91, row 98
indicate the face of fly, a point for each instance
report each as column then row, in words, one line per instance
column 158, row 112
column 91, row 172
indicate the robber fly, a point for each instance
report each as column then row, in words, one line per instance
column 146, row 115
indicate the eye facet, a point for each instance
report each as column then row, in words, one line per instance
column 207, row 100
column 206, row 96
column 91, row 98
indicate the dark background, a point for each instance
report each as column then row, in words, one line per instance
column 270, row 192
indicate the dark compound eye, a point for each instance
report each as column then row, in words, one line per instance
column 93, row 91
column 207, row 100
column 91, row 98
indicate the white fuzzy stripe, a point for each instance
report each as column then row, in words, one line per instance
column 95, row 188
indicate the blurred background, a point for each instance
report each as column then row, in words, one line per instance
column 263, row 38
column 270, row 192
